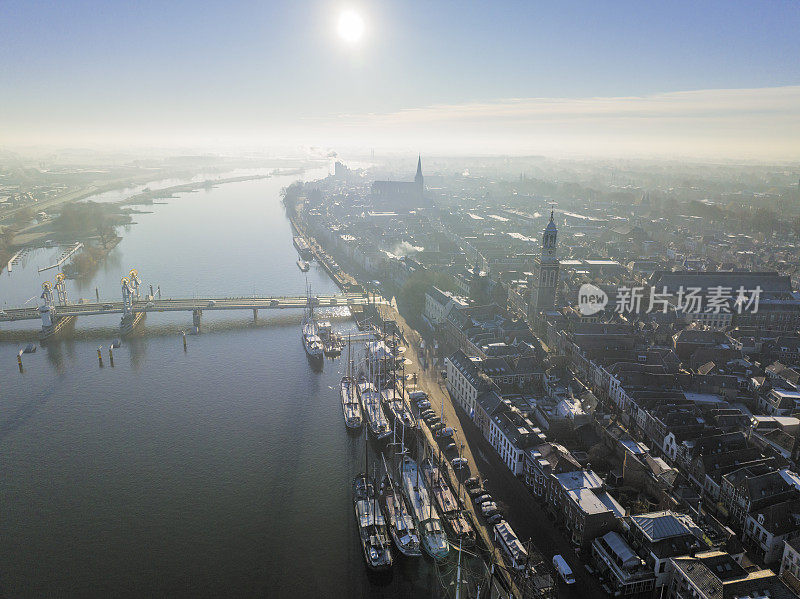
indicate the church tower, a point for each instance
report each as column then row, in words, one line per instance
column 419, row 179
column 545, row 279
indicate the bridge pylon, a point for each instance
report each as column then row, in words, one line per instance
column 61, row 288
column 134, row 282
column 129, row 291
column 51, row 321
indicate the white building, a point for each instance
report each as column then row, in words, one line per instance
column 464, row 381
column 437, row 303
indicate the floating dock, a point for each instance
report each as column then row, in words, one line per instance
column 65, row 255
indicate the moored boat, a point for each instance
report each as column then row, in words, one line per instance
column 375, row 544
column 453, row 517
column 302, row 247
column 377, row 422
column 433, row 538
column 303, row 265
column 311, row 341
column 351, row 409
column 399, row 521
column 398, row 411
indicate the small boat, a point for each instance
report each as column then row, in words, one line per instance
column 371, row 525
column 303, row 265
column 400, row 523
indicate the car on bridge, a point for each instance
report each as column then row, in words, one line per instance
column 273, row 303
column 211, row 304
column 107, row 307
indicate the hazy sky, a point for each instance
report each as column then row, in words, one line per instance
column 687, row 78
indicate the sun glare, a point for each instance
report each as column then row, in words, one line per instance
column 351, row 26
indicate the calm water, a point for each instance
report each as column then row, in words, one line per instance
column 220, row 471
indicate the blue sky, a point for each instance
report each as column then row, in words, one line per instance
column 93, row 71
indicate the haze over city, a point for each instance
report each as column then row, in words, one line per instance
column 400, row 299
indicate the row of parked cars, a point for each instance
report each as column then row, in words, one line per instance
column 483, row 501
column 443, row 433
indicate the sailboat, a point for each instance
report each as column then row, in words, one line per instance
column 400, row 523
column 351, row 408
column 432, row 536
column 374, row 540
column 370, row 399
column 453, row 517
column 311, row 341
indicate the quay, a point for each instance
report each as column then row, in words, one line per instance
column 343, row 280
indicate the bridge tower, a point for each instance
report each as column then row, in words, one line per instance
column 47, row 294
column 51, row 321
column 129, row 293
column 61, row 289
column 127, row 297
column 135, row 281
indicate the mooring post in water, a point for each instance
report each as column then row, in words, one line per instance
column 111, row 355
column 255, row 314
column 19, row 360
column 184, row 340
column 100, row 355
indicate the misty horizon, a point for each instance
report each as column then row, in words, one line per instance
column 719, row 81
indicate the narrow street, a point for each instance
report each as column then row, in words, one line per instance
column 526, row 516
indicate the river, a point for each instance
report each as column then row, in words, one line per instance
column 222, row 470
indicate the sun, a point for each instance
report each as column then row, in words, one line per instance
column 351, row 26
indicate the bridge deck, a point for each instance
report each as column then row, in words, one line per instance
column 191, row 304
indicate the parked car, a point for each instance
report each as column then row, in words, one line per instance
column 476, row 491
column 472, row 481
column 488, row 508
column 459, row 462
column 445, row 431
column 424, row 404
column 563, row 569
column 496, row 519
column 450, row 447
column 482, row 498
column 437, row 427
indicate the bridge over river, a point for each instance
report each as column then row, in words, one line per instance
column 56, row 311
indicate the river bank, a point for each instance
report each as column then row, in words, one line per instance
column 147, row 197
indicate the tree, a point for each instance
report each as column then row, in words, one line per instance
column 412, row 294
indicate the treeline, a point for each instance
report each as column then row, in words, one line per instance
column 83, row 219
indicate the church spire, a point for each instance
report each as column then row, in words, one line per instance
column 418, row 176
